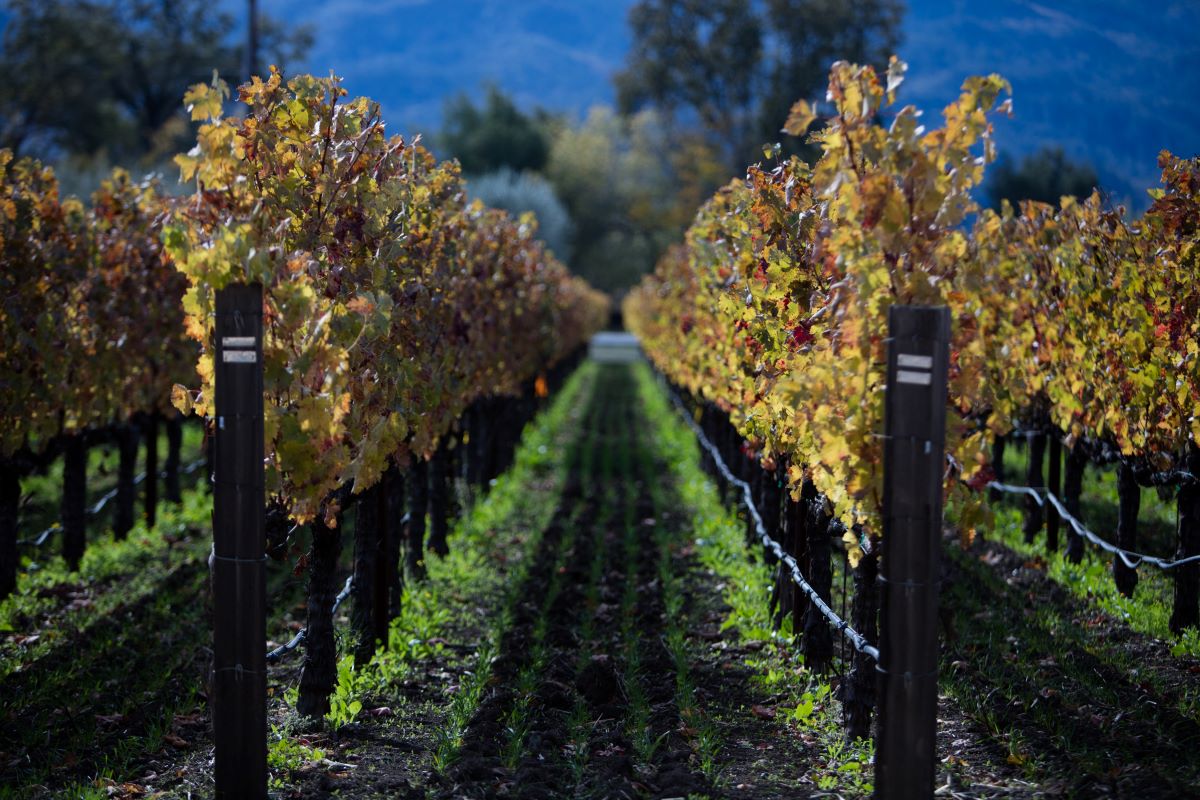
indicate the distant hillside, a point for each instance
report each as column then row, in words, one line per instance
column 411, row 54
column 1112, row 82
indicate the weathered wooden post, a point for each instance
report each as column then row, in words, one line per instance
column 239, row 682
column 913, row 463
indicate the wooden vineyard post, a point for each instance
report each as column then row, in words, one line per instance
column 239, row 682
column 913, row 463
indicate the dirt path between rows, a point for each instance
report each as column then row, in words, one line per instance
column 584, row 698
column 617, row 675
column 1087, row 706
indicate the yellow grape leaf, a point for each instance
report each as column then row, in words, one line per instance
column 800, row 117
column 854, row 553
column 206, row 102
column 181, row 398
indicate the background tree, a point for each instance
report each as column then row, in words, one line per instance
column 58, row 62
column 702, row 57
column 631, row 187
column 610, row 192
column 806, row 37
column 518, row 192
column 105, row 76
column 736, row 66
column 1045, row 176
column 494, row 135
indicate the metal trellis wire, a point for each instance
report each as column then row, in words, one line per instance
column 1129, row 557
column 856, row 639
column 104, row 500
column 302, row 634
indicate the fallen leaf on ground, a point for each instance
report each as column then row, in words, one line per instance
column 762, row 712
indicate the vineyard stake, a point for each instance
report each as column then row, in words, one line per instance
column 913, row 464
column 239, row 681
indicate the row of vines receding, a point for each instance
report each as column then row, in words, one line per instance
column 1076, row 325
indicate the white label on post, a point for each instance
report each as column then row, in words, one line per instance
column 237, row 341
column 910, row 360
column 919, row 378
column 245, row 357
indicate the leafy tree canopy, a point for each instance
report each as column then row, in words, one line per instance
column 1045, row 176
column 736, row 66
column 518, row 192
column 106, row 75
column 631, row 185
column 494, row 135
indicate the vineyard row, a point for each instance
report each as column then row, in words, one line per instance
column 403, row 324
column 1072, row 323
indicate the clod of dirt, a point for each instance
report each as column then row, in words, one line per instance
column 478, row 769
column 677, row 782
column 598, row 682
column 556, row 695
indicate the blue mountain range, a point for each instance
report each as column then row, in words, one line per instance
column 1111, row 82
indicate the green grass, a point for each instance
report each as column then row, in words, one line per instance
column 41, row 493
column 1028, row 673
column 719, row 540
column 1148, row 611
column 579, row 722
column 517, row 721
column 507, row 523
column 637, row 721
column 111, row 574
column 703, row 735
column 61, row 705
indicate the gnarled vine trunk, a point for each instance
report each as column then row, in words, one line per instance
column 858, row 698
column 1054, row 484
column 1186, row 610
column 1072, row 488
column 125, row 508
column 818, row 640
column 1033, row 479
column 150, row 432
column 10, row 503
column 74, row 500
column 171, row 490
column 439, row 500
column 318, row 676
column 998, row 465
column 1129, row 497
column 366, row 554
column 418, row 504
column 394, row 481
